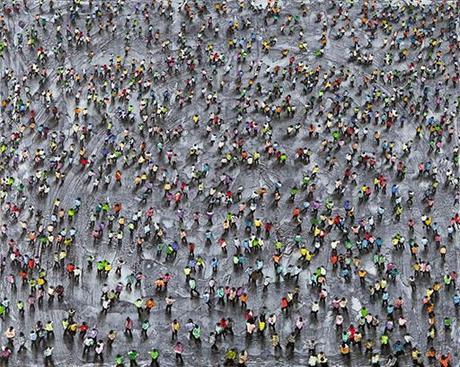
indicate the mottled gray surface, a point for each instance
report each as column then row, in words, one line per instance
column 85, row 297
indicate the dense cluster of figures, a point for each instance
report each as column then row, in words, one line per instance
column 232, row 183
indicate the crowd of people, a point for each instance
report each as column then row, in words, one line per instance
column 240, row 182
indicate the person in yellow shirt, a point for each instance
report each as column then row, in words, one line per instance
column 175, row 327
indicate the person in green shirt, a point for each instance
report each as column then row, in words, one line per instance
column 119, row 361
column 230, row 357
column 169, row 252
column 293, row 192
column 154, row 354
column 196, row 333
column 384, row 339
column 447, row 280
column 138, row 303
column 105, row 207
column 132, row 355
column 2, row 312
column 100, row 265
column 447, row 323
column 71, row 214
column 20, row 307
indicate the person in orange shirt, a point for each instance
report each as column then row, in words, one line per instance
column 159, row 283
column 244, row 300
column 149, row 305
column 118, row 177
column 445, row 360
column 117, row 207
column 431, row 354
column 276, row 259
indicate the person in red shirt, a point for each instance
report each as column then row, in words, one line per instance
column 284, row 305
column 295, row 213
column 83, row 329
column 445, row 360
column 70, row 269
